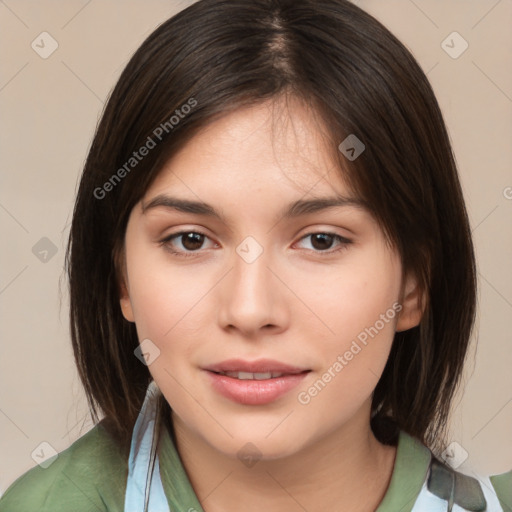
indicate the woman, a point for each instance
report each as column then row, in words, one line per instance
column 272, row 276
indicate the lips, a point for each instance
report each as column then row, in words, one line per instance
column 254, row 382
column 253, row 376
column 261, row 367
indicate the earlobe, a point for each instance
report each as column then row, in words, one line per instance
column 126, row 305
column 124, row 294
column 413, row 305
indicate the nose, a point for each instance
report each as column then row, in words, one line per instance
column 252, row 297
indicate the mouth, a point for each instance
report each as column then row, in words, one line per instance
column 258, row 369
column 254, row 382
column 257, row 376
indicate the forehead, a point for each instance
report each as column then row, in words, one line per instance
column 274, row 144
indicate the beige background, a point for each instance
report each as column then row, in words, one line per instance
column 49, row 109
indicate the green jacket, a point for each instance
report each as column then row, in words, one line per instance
column 90, row 476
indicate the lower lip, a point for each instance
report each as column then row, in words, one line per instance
column 254, row 392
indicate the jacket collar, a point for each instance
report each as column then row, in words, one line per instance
column 409, row 473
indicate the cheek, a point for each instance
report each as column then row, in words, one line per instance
column 348, row 298
column 158, row 291
column 357, row 308
column 170, row 309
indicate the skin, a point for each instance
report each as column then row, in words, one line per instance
column 299, row 302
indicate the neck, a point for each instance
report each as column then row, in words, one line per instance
column 346, row 469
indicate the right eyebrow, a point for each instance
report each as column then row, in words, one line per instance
column 293, row 210
column 182, row 205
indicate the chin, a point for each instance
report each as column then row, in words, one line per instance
column 250, row 448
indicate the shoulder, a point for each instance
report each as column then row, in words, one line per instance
column 502, row 485
column 437, row 486
column 90, row 475
column 475, row 493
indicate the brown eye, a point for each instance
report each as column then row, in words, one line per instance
column 191, row 242
column 322, row 242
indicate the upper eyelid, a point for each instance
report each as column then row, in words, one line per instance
column 341, row 238
column 169, row 237
column 312, row 231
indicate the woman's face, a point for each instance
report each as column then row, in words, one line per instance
column 315, row 289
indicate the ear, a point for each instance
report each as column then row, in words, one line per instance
column 413, row 305
column 124, row 292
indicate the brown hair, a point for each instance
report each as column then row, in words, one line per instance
column 360, row 80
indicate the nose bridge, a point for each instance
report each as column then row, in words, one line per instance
column 249, row 301
column 250, row 276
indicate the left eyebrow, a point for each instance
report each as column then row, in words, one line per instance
column 307, row 206
column 293, row 210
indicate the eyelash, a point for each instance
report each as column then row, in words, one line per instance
column 344, row 243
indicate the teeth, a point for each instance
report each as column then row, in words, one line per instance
column 252, row 376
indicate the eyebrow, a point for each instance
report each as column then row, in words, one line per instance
column 293, row 210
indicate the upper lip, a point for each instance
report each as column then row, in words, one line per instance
column 258, row 366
